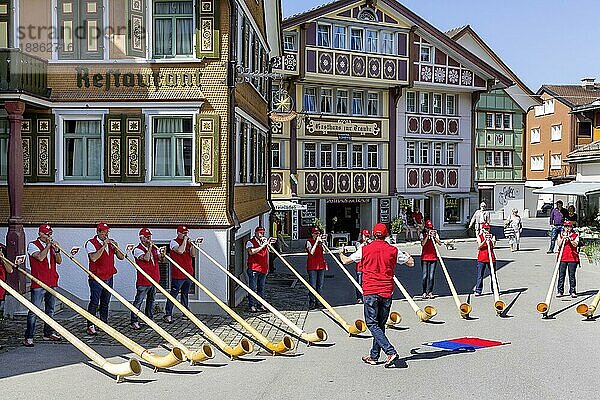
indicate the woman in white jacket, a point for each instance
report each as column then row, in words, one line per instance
column 512, row 229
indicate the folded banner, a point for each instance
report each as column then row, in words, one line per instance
column 465, row 343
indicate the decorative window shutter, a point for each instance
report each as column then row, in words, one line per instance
column 124, row 141
column 6, row 28
column 68, row 10
column 38, row 138
column 136, row 28
column 207, row 148
column 208, row 39
column 92, row 12
column 113, row 145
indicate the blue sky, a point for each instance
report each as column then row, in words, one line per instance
column 542, row 41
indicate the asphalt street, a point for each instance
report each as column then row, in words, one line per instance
column 555, row 358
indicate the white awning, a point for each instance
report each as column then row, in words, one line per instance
column 286, row 205
column 571, row 188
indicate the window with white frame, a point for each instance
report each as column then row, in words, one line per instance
column 548, row 106
column 310, row 100
column 372, row 156
column 373, row 104
column 535, row 135
column 556, row 132
column 425, row 53
column 173, row 33
column 356, row 39
column 326, row 155
column 357, row 103
column 310, row 155
column 424, row 153
column 324, row 35
column 387, row 39
column 555, row 161
column 341, row 155
column 357, row 156
column 339, row 37
column 450, row 153
column 326, row 101
column 507, row 158
column 410, row 102
column 172, row 147
column 410, row 152
column 489, row 158
column 507, row 121
column 497, row 121
column 243, row 132
column 537, row 163
column 372, row 41
column 437, row 103
column 489, row 120
column 450, row 104
column 424, row 102
column 498, row 158
column 83, row 149
column 275, row 155
column 290, row 42
column 341, row 102
column 437, row 153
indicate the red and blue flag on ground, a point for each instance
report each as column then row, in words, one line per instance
column 465, row 343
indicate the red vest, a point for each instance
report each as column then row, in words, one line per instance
column 258, row 262
column 378, row 264
column 428, row 251
column 150, row 267
column 103, row 267
column 184, row 260
column 483, row 255
column 42, row 270
column 361, row 243
column 315, row 261
column 2, row 278
column 570, row 253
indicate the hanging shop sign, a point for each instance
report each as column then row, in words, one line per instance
column 371, row 129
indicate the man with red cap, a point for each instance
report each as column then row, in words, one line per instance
column 315, row 264
column 569, row 259
column 148, row 259
column 44, row 256
column 379, row 260
column 258, row 265
column 182, row 252
column 485, row 241
column 429, row 258
column 101, row 251
column 365, row 238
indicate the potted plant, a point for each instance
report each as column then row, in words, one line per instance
column 319, row 224
column 592, row 251
column 396, row 228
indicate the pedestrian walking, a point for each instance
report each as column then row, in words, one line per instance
column 557, row 217
column 315, row 264
column 569, row 260
column 429, row 258
column 485, row 240
column 479, row 217
column 257, row 265
column 183, row 253
column 513, row 227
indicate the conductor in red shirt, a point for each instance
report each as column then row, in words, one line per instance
column 378, row 260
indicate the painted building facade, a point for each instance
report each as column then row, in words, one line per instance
column 132, row 116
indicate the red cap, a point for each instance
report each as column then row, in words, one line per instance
column 259, row 229
column 315, row 230
column 486, row 225
column 428, row 224
column 102, row 226
column 568, row 223
column 45, row 228
column 145, row 232
column 366, row 232
column 380, row 230
column 182, row 229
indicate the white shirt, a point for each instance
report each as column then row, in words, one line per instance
column 139, row 253
column 32, row 248
column 173, row 244
column 89, row 247
column 402, row 256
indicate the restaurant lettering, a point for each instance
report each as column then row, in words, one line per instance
column 114, row 78
column 341, row 127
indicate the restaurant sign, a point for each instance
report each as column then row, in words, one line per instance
column 344, row 127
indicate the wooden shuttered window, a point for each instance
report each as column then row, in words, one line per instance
column 5, row 24
column 124, row 159
column 207, row 148
column 38, row 138
column 208, row 39
column 136, row 27
column 81, row 29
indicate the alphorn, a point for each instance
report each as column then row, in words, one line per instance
column 394, row 318
column 543, row 308
column 463, row 308
column 588, row 311
column 426, row 313
column 499, row 305
column 319, row 335
column 174, row 357
column 196, row 356
column 359, row 325
column 120, row 370
column 284, row 345
column 242, row 348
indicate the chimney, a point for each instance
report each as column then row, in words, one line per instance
column 588, row 83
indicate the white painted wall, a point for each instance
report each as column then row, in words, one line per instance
column 588, row 172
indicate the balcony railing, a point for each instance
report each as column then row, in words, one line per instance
column 23, row 73
column 565, row 171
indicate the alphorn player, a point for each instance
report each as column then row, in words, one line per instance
column 315, row 264
column 429, row 258
column 485, row 239
column 569, row 259
column 182, row 252
column 3, row 270
column 258, row 265
column 379, row 260
column 44, row 256
column 101, row 251
column 365, row 238
column 147, row 258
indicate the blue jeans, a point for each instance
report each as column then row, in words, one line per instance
column 315, row 279
column 142, row 292
column 428, row 274
column 562, row 271
column 256, row 282
column 556, row 229
column 359, row 280
column 481, row 267
column 178, row 285
column 99, row 295
column 37, row 295
column 377, row 311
